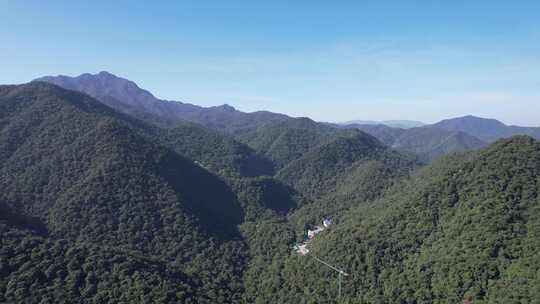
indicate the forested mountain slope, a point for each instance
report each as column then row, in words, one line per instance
column 289, row 140
column 98, row 206
column 346, row 173
column 79, row 176
column 38, row 269
column 338, row 164
column 386, row 134
column 465, row 228
column 213, row 150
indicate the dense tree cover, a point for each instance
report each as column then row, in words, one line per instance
column 97, row 206
column 91, row 179
column 210, row 148
column 386, row 134
column 286, row 141
column 464, row 228
column 265, row 197
column 329, row 169
column 363, row 183
column 215, row 151
column 36, row 269
column 340, row 165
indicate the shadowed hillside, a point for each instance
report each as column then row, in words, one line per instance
column 89, row 178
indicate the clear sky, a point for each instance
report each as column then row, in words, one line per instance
column 328, row 60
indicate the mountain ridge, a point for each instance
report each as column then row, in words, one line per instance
column 403, row 123
column 486, row 129
column 126, row 96
column 428, row 142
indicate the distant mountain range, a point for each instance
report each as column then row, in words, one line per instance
column 404, row 124
column 125, row 96
column 427, row 142
column 485, row 129
column 460, row 134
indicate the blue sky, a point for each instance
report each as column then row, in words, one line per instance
column 328, row 60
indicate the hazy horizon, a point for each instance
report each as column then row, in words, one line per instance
column 418, row 61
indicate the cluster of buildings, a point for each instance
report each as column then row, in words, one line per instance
column 301, row 248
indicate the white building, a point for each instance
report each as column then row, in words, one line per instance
column 302, row 249
column 327, row 223
column 312, row 233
